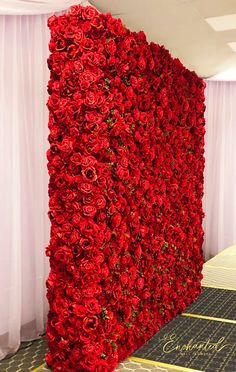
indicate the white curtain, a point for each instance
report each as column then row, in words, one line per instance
column 220, row 170
column 24, row 7
column 24, row 227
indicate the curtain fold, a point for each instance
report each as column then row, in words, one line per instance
column 220, row 170
column 29, row 7
column 24, row 227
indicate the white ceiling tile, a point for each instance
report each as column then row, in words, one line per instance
column 232, row 45
column 223, row 23
column 214, row 8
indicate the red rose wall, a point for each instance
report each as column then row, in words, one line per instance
column 126, row 183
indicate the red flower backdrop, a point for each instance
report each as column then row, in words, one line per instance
column 126, row 184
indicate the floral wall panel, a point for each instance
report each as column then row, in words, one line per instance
column 126, row 183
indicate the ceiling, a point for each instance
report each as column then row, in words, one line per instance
column 181, row 26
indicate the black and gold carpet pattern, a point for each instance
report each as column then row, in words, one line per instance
column 215, row 302
column 203, row 338
column 29, row 357
column 198, row 344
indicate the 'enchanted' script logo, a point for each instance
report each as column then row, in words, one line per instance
column 173, row 344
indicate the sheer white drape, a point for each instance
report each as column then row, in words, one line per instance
column 24, row 226
column 24, row 7
column 220, row 170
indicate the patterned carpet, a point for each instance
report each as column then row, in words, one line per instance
column 29, row 357
column 203, row 339
column 194, row 343
column 205, row 335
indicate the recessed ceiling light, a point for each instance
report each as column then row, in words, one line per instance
column 222, row 23
column 232, row 45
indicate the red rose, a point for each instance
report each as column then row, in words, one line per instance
column 64, row 255
column 86, row 79
column 122, row 173
column 93, row 116
column 93, row 306
column 111, row 209
column 124, row 278
column 86, row 266
column 88, row 161
column 140, row 283
column 88, row 199
column 66, row 145
column 79, row 67
column 79, row 310
column 92, row 290
column 89, row 210
column 75, row 10
column 86, row 44
column 86, row 26
column 98, row 257
column 105, row 271
column 116, row 27
column 92, row 349
column 89, row 173
column 60, row 45
column 110, row 46
column 72, row 51
column 142, row 63
column 49, row 357
column 96, row 22
column 76, row 219
column 100, row 202
column 74, row 236
column 90, row 323
column 91, row 99
column 76, row 158
column 86, row 243
column 138, row 251
column 79, row 36
column 52, row 21
column 89, row 12
column 135, row 301
column 116, row 220
column 146, row 294
column 113, row 260
column 56, row 162
column 160, row 112
column 85, row 187
column 101, row 181
column 124, row 162
column 101, row 217
column 88, row 227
